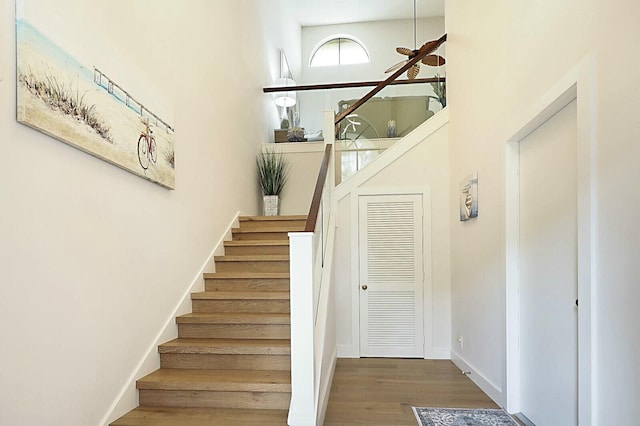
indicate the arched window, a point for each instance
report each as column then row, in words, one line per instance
column 339, row 51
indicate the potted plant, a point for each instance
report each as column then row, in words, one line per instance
column 272, row 174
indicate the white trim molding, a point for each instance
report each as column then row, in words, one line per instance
column 476, row 377
column 150, row 361
column 578, row 84
column 353, row 350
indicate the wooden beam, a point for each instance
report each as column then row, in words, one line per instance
column 349, row 85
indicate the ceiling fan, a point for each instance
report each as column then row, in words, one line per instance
column 430, row 60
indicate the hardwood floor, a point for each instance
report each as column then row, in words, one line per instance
column 376, row 391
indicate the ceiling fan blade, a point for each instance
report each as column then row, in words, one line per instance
column 404, row 51
column 397, row 66
column 433, row 60
column 432, row 45
column 413, row 71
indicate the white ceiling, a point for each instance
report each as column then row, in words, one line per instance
column 326, row 12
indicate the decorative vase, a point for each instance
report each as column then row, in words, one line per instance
column 271, row 205
column 391, row 129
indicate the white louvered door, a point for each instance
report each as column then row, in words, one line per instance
column 391, row 276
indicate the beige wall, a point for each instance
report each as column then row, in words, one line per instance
column 503, row 56
column 93, row 260
column 303, row 161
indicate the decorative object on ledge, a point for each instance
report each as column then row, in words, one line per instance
column 296, row 135
column 272, row 175
column 392, row 131
column 440, row 90
column 281, row 135
column 285, row 99
column 285, row 124
column 469, row 198
column 59, row 95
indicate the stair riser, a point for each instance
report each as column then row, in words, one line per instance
column 255, row 250
column 247, row 285
column 213, row 399
column 226, row 362
column 260, row 236
column 234, row 331
column 259, row 225
column 253, row 266
column 257, row 306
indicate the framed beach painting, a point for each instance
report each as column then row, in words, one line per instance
column 469, row 198
column 94, row 106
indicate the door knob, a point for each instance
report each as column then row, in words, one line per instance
column 364, row 286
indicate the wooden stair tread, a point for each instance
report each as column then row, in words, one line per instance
column 234, row 318
column 217, row 380
column 226, row 346
column 173, row 416
column 271, row 218
column 242, row 243
column 240, row 295
column 254, row 258
column 246, row 275
column 271, row 229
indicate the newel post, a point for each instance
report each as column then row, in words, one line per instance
column 302, row 410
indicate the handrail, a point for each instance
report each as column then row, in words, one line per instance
column 312, row 218
column 426, row 49
column 348, row 85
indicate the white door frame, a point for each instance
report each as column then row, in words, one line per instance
column 578, row 84
column 425, row 192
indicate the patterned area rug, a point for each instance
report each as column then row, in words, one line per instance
column 462, row 417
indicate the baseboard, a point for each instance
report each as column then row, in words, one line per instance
column 351, row 351
column 483, row 383
column 523, row 419
column 323, row 398
column 127, row 399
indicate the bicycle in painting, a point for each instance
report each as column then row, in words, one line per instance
column 147, row 148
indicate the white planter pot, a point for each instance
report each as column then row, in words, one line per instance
column 271, row 205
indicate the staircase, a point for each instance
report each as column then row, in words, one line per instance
column 230, row 364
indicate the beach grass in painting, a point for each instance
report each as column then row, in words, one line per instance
column 83, row 107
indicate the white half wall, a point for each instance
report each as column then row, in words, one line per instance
column 304, row 160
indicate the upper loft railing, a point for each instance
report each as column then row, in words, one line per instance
column 425, row 50
column 312, row 104
column 367, row 122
